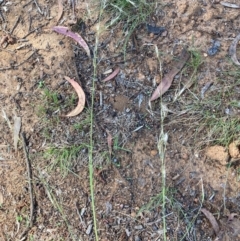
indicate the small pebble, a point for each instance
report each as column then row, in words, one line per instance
column 136, row 238
column 127, row 232
column 133, row 214
column 153, row 153
column 151, row 35
column 215, row 47
column 89, row 229
column 184, row 156
column 155, row 228
column 157, row 79
column 138, row 227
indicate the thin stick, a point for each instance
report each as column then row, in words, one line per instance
column 2, row 17
column 30, row 22
column 38, row 8
column 17, row 65
column 33, row 30
column 15, row 25
column 27, row 4
column 29, row 183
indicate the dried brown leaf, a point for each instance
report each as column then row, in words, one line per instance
column 112, row 75
column 81, row 98
column 211, row 219
column 232, row 50
column 109, row 141
column 168, row 78
column 60, row 10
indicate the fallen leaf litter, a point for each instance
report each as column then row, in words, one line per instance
column 77, row 111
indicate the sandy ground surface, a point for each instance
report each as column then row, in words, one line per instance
column 128, row 183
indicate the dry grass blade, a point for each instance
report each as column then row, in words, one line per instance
column 230, row 5
column 4, row 115
column 32, row 200
column 211, row 219
column 112, row 75
column 60, row 10
column 65, row 31
column 16, row 131
column 168, row 78
column 81, row 97
column 232, row 50
column 205, row 88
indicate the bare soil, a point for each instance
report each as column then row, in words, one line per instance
column 128, row 183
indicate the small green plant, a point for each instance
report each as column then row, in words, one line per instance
column 31, row 237
column 238, row 174
column 156, row 201
column 52, row 97
column 56, row 204
column 41, row 111
column 133, row 12
column 19, row 218
column 85, row 122
column 72, row 100
column 192, row 67
column 212, row 123
column 130, row 13
column 206, row 115
column 51, row 103
column 64, row 158
column 41, row 84
column 195, row 60
column 116, row 145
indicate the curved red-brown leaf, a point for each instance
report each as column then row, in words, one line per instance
column 112, row 75
column 211, row 219
column 81, row 97
column 163, row 86
column 168, row 78
column 65, row 31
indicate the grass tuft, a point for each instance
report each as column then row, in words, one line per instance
column 129, row 13
column 64, row 158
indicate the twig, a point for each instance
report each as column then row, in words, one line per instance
column 124, row 61
column 30, row 185
column 2, row 17
column 17, row 65
column 33, row 31
column 15, row 25
column 8, row 36
column 73, row 7
column 27, row 3
column 158, row 220
column 80, row 217
column 38, row 8
column 30, row 23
